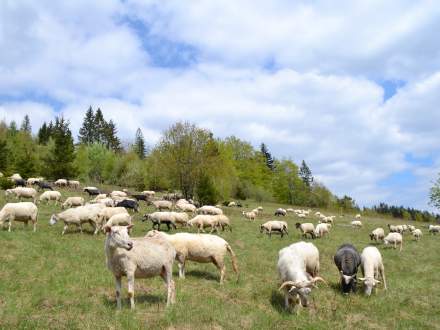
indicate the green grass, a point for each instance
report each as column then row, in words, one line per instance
column 50, row 281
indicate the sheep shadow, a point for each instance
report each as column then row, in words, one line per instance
column 277, row 302
column 202, row 274
column 141, row 299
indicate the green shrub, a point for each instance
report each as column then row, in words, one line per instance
column 5, row 183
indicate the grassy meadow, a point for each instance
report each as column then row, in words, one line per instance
column 50, row 281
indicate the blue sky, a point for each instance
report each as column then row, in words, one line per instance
column 353, row 89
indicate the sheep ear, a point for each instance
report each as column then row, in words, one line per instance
column 107, row 229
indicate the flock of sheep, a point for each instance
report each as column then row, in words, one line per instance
column 155, row 253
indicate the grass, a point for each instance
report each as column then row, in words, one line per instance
column 50, row 281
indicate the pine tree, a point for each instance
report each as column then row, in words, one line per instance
column 306, row 174
column 12, row 130
column 267, row 156
column 4, row 156
column 99, row 127
column 111, row 138
column 26, row 125
column 139, row 144
column 43, row 134
column 87, row 131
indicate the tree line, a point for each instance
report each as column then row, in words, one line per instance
column 401, row 212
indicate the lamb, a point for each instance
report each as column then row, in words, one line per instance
column 138, row 258
column 298, row 266
column 74, row 184
column 280, row 212
column 162, row 205
column 347, row 259
column 120, row 219
column 377, row 234
column 158, row 218
column 394, row 238
column 322, row 229
column 372, row 267
column 356, row 224
column 210, row 210
column 23, row 212
column 201, row 221
column 417, row 234
column 223, row 221
column 306, row 228
column 250, row 215
column 50, row 196
column 21, row 192
column 78, row 216
column 106, row 213
column 73, row 201
column 274, row 226
column 61, row 183
column 203, row 248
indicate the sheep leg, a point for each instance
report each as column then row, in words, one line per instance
column 35, row 225
column 80, row 228
column 130, row 282
column 167, row 277
column 286, row 300
column 10, row 225
column 382, row 275
column 64, row 229
column 118, row 292
column 219, row 262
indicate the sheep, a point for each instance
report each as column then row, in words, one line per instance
column 203, row 248
column 328, row 219
column 22, row 211
column 306, row 228
column 377, row 234
column 50, row 196
column 393, row 228
column 138, row 258
column 32, row 181
column 117, row 193
column 357, row 216
column 158, row 218
column 209, row 210
column 162, row 205
column 347, row 259
column 148, row 193
column 301, row 215
column 106, row 213
column 433, row 229
column 322, row 229
column 74, row 184
column 98, row 197
column 15, row 177
column 43, row 185
column 180, row 218
column 129, row 204
column 73, row 201
column 120, row 219
column 394, row 238
column 411, row 228
column 372, row 267
column 204, row 220
column 290, row 210
column 104, row 201
column 92, row 191
column 232, row 204
column 250, row 215
column 298, row 266
column 274, row 226
column 77, row 216
column 417, row 234
column 186, row 207
column 21, row 192
column 61, row 183
column 356, row 224
column 223, row 221
column 280, row 212
column 260, row 209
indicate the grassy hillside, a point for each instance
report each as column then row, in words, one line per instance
column 50, row 281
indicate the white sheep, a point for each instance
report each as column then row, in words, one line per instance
column 417, row 234
column 394, row 238
column 16, row 177
column 109, row 202
column 107, row 212
column 158, row 218
column 377, row 234
column 250, row 215
column 22, row 212
column 162, row 205
column 148, row 193
column 232, row 204
column 180, row 218
column 372, row 267
column 22, row 192
column 186, row 207
column 203, row 248
column 78, row 216
column 298, row 266
column 202, row 221
column 260, row 209
column 357, row 216
column 138, row 258
column 97, row 197
column 223, row 221
column 290, row 210
column 73, row 201
column 50, row 196
column 322, row 229
column 434, row 229
column 74, row 184
column 61, row 183
column 117, row 193
column 274, row 226
column 210, row 210
column 120, row 219
column 356, row 224
column 306, row 228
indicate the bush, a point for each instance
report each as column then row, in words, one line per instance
column 206, row 192
column 5, row 183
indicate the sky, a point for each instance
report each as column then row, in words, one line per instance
column 353, row 88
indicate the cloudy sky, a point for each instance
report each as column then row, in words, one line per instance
column 353, row 89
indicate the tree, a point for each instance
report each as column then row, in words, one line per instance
column 306, row 174
column 267, row 156
column 26, row 125
column 99, row 126
column 111, row 138
column 4, row 156
column 87, row 131
column 434, row 194
column 44, row 134
column 206, row 191
column 139, row 144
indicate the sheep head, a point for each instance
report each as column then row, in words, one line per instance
column 117, row 237
column 369, row 284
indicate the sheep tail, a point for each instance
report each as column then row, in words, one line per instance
column 233, row 260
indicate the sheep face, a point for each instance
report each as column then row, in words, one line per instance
column 369, row 284
column 348, row 283
column 118, row 237
column 302, row 293
column 53, row 219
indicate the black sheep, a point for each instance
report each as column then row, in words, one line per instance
column 129, row 204
column 347, row 259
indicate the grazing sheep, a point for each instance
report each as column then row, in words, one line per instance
column 129, row 204
column 322, row 229
column 394, row 238
column 74, row 184
column 120, row 219
column 15, row 177
column 347, row 259
column 138, row 258
column 43, row 185
column 260, row 209
column 73, row 201
column 274, row 226
column 372, row 267
column 106, row 213
column 395, row 229
column 180, row 218
column 78, row 216
column 357, row 216
column 433, row 229
column 184, row 206
column 306, row 228
column 50, row 196
column 356, row 224
column 148, row 193
column 22, row 192
column 417, row 234
column 250, row 215
column 290, row 210
column 203, row 248
column 232, row 204
column 377, row 235
column 202, row 221
column 280, row 212
column 411, row 228
column 223, row 221
column 158, row 218
column 298, row 266
column 104, row 201
column 162, row 205
column 117, row 193
column 92, row 191
column 23, row 212
column 61, row 183
column 32, row 181
column 209, row 210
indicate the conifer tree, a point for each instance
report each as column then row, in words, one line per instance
column 306, row 174
column 267, row 156
column 26, row 125
column 99, row 127
column 43, row 134
column 62, row 155
column 4, row 153
column 111, row 138
column 139, row 144
column 87, row 131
